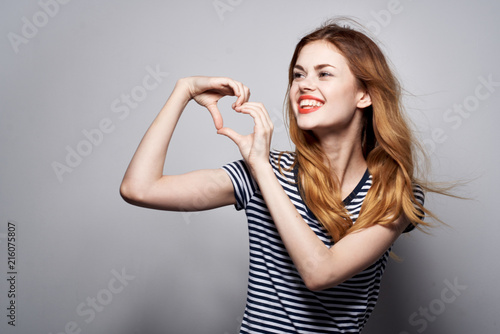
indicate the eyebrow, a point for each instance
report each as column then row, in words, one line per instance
column 317, row 67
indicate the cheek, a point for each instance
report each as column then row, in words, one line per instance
column 292, row 97
column 342, row 98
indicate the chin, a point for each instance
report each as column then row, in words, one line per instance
column 306, row 126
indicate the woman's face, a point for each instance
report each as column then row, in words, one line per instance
column 324, row 95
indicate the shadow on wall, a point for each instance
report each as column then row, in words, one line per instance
column 391, row 314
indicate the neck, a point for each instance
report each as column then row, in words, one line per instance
column 344, row 155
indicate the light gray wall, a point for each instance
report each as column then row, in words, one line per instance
column 66, row 67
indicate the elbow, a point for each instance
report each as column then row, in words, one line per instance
column 319, row 282
column 313, row 286
column 125, row 192
column 131, row 194
column 317, row 285
column 318, row 276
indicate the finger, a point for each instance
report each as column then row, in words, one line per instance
column 267, row 116
column 238, row 91
column 262, row 109
column 231, row 134
column 245, row 94
column 216, row 116
column 259, row 113
column 257, row 116
column 233, row 85
column 243, row 97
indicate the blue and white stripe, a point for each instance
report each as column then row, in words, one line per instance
column 277, row 299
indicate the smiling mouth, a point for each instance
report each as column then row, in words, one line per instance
column 309, row 104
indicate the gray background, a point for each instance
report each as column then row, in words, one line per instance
column 186, row 272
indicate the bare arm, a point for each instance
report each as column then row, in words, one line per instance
column 144, row 183
column 321, row 267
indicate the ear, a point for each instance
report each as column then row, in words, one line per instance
column 364, row 101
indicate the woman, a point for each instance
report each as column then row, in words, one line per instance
column 322, row 219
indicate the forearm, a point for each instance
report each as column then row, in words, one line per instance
column 146, row 166
column 319, row 266
column 307, row 251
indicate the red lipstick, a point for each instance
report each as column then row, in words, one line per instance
column 306, row 109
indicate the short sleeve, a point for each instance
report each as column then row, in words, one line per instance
column 243, row 184
column 419, row 196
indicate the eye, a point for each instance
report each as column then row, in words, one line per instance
column 297, row 75
column 325, row 74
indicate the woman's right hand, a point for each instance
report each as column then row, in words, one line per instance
column 207, row 91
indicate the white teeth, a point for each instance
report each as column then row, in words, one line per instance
column 310, row 103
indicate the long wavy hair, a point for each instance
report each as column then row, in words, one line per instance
column 387, row 143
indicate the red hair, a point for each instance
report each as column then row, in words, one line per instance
column 387, row 142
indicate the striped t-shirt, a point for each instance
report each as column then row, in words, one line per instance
column 277, row 299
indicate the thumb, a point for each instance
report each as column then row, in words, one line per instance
column 216, row 116
column 231, row 134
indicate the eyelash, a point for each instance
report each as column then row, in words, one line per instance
column 297, row 75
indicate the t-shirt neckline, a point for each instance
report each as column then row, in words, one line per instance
column 349, row 197
column 357, row 189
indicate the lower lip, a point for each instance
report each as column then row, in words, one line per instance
column 308, row 110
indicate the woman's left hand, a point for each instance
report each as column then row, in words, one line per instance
column 254, row 147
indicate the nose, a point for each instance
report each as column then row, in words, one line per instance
column 307, row 84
